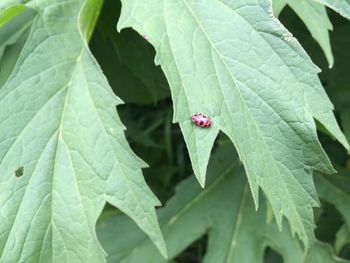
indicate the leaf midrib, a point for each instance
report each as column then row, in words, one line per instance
column 60, row 137
column 189, row 113
column 237, row 224
column 171, row 220
column 300, row 221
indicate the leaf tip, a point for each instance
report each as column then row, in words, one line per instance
column 330, row 62
column 200, row 175
column 201, row 181
column 160, row 244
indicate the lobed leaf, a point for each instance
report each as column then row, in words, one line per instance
column 345, row 117
column 234, row 62
column 342, row 238
column 340, row 6
column 63, row 153
column 337, row 79
column 224, row 211
column 278, row 6
column 314, row 16
column 334, row 189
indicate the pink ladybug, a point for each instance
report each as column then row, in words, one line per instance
column 201, row 120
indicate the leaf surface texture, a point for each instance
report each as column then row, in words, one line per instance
column 233, row 61
column 63, row 153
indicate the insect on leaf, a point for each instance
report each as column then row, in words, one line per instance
column 233, row 61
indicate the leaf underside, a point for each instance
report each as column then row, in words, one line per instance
column 60, row 128
column 340, row 6
column 315, row 18
column 233, row 61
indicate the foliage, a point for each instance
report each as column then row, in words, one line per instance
column 65, row 160
column 315, row 17
column 234, row 234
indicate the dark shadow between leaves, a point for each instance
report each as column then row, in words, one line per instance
column 195, row 252
column 271, row 256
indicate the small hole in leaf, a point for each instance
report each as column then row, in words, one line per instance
column 19, row 172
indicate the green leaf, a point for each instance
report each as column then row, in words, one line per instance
column 324, row 253
column 277, row 6
column 224, row 210
column 9, row 13
column 89, row 17
column 9, row 59
column 342, row 238
column 340, row 6
column 315, row 17
column 63, row 152
column 234, row 62
column 13, row 29
column 337, row 79
column 5, row 4
column 12, row 38
column 345, row 117
column 335, row 190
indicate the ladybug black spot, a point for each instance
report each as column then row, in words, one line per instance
column 200, row 123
